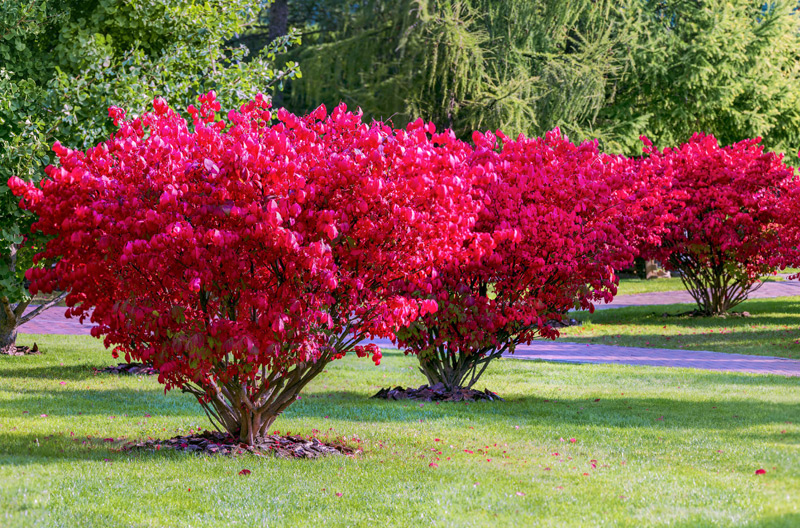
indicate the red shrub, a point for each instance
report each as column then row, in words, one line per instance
column 560, row 216
column 726, row 217
column 241, row 257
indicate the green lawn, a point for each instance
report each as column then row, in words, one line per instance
column 772, row 330
column 632, row 286
column 660, row 448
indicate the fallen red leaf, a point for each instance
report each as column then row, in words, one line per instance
column 245, row 472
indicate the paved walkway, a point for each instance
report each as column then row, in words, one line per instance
column 657, row 357
column 53, row 322
column 767, row 290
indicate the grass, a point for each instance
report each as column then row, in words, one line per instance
column 654, row 447
column 772, row 330
column 633, row 286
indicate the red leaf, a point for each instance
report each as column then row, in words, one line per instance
column 245, row 472
column 760, row 471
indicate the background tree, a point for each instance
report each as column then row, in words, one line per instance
column 597, row 69
column 467, row 64
column 63, row 63
column 728, row 217
column 722, row 67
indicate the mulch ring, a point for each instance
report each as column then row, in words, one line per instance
column 128, row 368
column 436, row 393
column 698, row 313
column 563, row 323
column 216, row 443
column 20, row 350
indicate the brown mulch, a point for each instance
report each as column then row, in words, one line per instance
column 23, row 351
column 698, row 313
column 436, row 393
column 563, row 323
column 216, row 443
column 128, row 368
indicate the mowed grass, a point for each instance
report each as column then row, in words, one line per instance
column 634, row 286
column 773, row 328
column 653, row 447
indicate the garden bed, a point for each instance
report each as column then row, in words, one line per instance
column 216, row 443
column 437, row 393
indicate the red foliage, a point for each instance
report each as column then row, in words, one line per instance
column 240, row 257
column 726, row 211
column 559, row 215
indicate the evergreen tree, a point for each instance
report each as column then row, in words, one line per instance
column 513, row 64
column 728, row 68
column 612, row 70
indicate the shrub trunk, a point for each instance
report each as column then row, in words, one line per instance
column 246, row 410
column 716, row 289
column 456, row 370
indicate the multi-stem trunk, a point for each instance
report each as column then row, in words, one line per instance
column 456, row 370
column 247, row 409
column 715, row 289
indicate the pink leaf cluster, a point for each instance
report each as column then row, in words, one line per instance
column 720, row 207
column 558, row 217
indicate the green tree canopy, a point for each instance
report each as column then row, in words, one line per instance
column 64, row 62
column 612, row 70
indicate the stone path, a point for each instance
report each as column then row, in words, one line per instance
column 53, row 322
column 767, row 290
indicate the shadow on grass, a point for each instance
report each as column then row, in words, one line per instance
column 32, row 448
column 623, row 412
column 50, row 372
column 627, row 415
column 95, row 402
column 787, row 520
column 762, row 311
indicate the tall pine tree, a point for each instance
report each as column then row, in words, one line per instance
column 612, row 70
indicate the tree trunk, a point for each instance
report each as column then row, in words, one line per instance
column 9, row 321
column 278, row 19
column 713, row 287
column 248, row 414
column 278, row 27
column 8, row 336
column 12, row 317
